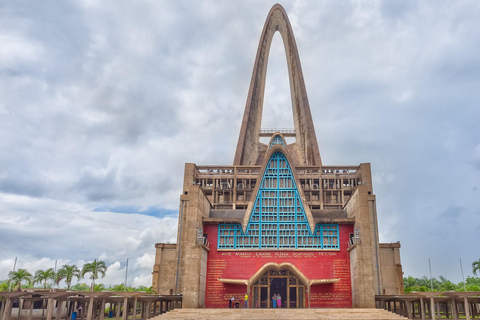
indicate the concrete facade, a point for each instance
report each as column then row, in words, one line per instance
column 352, row 273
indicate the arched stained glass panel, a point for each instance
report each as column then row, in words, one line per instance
column 277, row 140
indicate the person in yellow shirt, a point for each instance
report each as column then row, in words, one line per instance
column 245, row 302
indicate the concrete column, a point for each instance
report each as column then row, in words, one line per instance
column 90, row 309
column 59, row 310
column 422, row 308
column 7, row 310
column 117, row 310
column 308, row 288
column 20, row 307
column 2, row 308
column 432, row 308
column 50, row 308
column 439, row 315
column 102, row 310
column 147, row 311
column 134, row 309
column 467, row 308
column 408, row 304
column 125, row 309
column 454, row 309
column 30, row 312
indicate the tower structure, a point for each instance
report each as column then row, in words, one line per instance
column 278, row 221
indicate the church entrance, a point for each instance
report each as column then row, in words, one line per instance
column 283, row 283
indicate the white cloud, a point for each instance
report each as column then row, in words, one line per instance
column 101, row 105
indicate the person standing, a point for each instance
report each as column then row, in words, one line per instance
column 274, row 300
column 230, row 302
column 245, row 302
column 279, row 301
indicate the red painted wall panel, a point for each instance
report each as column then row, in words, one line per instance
column 313, row 264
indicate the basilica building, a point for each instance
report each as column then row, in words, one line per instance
column 278, row 221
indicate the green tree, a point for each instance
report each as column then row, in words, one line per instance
column 409, row 281
column 67, row 273
column 80, row 287
column 473, row 281
column 446, row 285
column 44, row 276
column 16, row 278
column 95, row 268
column 4, row 285
column 99, row 287
column 476, row 267
column 118, row 288
column 423, row 282
column 150, row 290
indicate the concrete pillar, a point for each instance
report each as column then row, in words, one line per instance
column 422, row 308
column 30, row 312
column 439, row 315
column 147, row 311
column 90, row 309
column 432, row 308
column 102, row 310
column 20, row 307
column 117, row 310
column 134, row 309
column 408, row 304
column 7, row 310
column 58, row 315
column 50, row 308
column 2, row 308
column 467, row 308
column 125, row 309
column 454, row 309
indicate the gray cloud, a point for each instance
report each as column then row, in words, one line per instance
column 102, row 103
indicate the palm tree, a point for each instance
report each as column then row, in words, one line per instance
column 99, row 287
column 476, row 266
column 118, row 288
column 94, row 268
column 409, row 281
column 80, row 287
column 424, row 282
column 68, row 272
column 44, row 276
column 446, row 285
column 18, row 276
column 151, row 290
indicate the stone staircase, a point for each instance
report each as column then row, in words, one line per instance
column 279, row 314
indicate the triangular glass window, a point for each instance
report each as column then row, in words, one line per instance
column 277, row 140
column 278, row 219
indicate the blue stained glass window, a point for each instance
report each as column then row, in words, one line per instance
column 276, row 140
column 278, row 218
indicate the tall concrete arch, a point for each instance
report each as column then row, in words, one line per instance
column 249, row 146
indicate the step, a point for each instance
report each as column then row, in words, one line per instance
column 279, row 314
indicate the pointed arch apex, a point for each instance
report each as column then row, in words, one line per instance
column 248, row 146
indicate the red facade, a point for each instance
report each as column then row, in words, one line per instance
column 313, row 264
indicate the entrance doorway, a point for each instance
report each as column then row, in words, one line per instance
column 284, row 283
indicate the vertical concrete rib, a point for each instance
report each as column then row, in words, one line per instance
column 248, row 141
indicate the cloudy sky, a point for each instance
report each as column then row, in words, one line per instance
column 102, row 103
